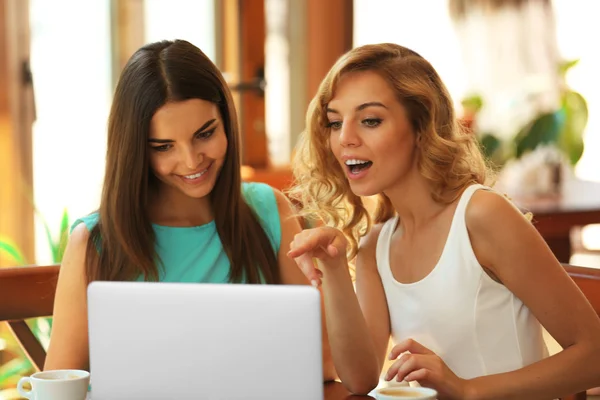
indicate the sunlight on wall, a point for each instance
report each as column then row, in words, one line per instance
column 422, row 26
column 277, row 73
column 70, row 61
column 191, row 20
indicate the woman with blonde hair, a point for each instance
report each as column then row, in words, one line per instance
column 458, row 277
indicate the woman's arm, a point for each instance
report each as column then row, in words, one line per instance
column 371, row 295
column 357, row 345
column 511, row 248
column 290, row 274
column 69, row 339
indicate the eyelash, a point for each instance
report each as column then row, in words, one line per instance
column 334, row 125
column 162, row 148
column 205, row 134
column 368, row 122
column 201, row 135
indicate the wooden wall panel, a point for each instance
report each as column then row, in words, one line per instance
column 329, row 35
column 16, row 118
column 252, row 112
column 241, row 41
column 127, row 34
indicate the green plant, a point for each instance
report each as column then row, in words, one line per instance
column 472, row 104
column 492, row 147
column 19, row 365
column 57, row 245
column 11, row 250
column 563, row 127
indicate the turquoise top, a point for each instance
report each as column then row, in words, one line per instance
column 195, row 254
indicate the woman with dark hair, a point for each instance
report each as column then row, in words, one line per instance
column 173, row 206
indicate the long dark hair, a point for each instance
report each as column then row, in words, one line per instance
column 121, row 245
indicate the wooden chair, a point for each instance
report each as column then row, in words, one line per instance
column 588, row 281
column 27, row 292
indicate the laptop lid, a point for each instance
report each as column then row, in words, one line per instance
column 204, row 341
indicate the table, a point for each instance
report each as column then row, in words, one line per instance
column 337, row 391
column 555, row 217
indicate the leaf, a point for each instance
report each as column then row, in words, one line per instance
column 53, row 246
column 16, row 366
column 11, row 249
column 49, row 238
column 490, row 144
column 63, row 236
column 57, row 247
column 571, row 136
column 565, row 66
column 544, row 129
column 472, row 103
column 577, row 110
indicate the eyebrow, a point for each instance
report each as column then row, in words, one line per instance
column 361, row 107
column 202, row 128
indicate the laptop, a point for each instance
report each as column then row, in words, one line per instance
column 204, row 341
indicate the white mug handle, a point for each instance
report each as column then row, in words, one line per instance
column 25, row 393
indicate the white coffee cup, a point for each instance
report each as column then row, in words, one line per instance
column 64, row 384
column 406, row 392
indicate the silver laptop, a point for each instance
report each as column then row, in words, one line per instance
column 204, row 341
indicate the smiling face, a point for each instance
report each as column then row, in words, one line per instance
column 371, row 135
column 187, row 146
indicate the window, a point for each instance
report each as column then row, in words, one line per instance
column 71, row 66
column 191, row 20
column 422, row 26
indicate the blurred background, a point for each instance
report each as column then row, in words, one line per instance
column 522, row 73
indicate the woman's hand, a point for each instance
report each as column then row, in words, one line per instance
column 424, row 366
column 326, row 244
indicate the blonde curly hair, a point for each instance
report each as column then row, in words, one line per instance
column 450, row 159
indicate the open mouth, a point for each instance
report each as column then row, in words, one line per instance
column 357, row 166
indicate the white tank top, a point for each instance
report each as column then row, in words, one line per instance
column 476, row 325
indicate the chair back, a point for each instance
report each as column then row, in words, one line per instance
column 588, row 281
column 27, row 292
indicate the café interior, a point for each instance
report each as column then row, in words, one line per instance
column 523, row 76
